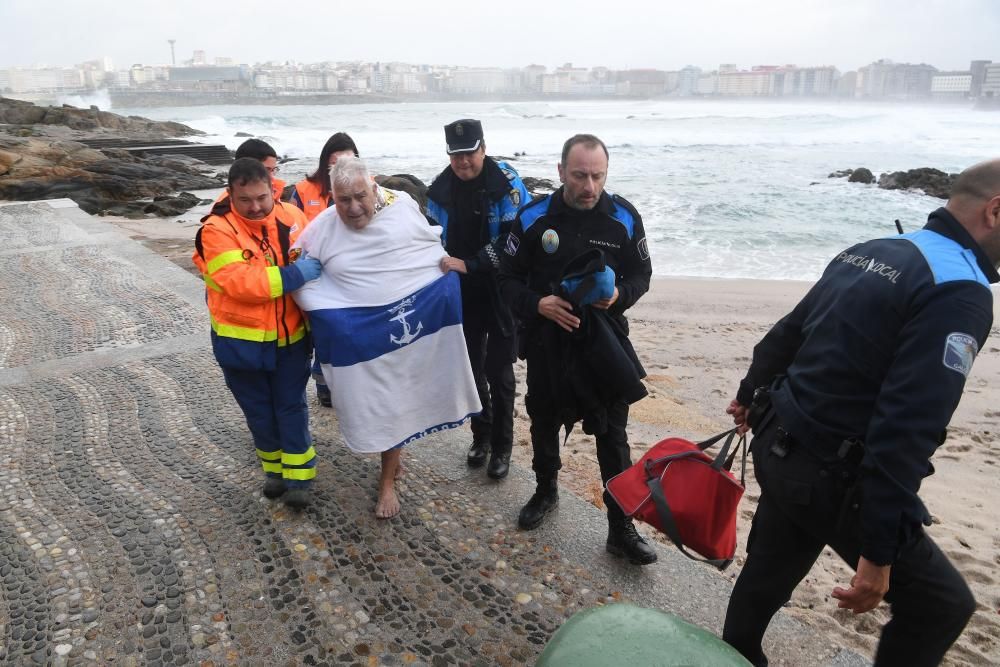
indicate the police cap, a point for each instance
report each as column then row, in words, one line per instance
column 463, row 136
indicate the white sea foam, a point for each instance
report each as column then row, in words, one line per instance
column 725, row 189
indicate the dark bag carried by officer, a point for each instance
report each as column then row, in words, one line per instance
column 689, row 496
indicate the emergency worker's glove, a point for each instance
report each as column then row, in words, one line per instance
column 309, row 267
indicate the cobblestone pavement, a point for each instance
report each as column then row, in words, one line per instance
column 132, row 530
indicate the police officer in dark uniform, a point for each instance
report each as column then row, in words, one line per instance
column 474, row 200
column 861, row 379
column 549, row 233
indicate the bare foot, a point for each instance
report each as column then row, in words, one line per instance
column 388, row 504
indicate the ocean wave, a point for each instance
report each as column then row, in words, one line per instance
column 724, row 189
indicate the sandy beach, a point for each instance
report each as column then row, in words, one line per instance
column 695, row 338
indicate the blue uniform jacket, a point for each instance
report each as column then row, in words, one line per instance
column 548, row 234
column 504, row 195
column 879, row 350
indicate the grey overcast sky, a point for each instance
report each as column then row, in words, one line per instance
column 662, row 34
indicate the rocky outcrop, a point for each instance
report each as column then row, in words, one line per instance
column 933, row 182
column 17, row 112
column 538, row 186
column 98, row 181
column 861, row 175
column 41, row 157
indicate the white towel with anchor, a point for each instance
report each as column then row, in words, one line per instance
column 387, row 326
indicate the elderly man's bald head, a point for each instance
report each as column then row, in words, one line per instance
column 975, row 202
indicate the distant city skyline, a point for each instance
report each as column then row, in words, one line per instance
column 632, row 34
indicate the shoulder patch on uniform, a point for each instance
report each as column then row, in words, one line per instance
column 513, row 243
column 515, row 197
column 643, row 249
column 959, row 352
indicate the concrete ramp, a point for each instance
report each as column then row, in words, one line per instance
column 132, row 530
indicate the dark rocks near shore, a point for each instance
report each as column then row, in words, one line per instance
column 861, row 175
column 42, row 157
column 538, row 186
column 17, row 112
column 933, row 182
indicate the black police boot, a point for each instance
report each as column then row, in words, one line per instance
column 544, row 500
column 499, row 465
column 478, row 453
column 273, row 487
column 624, row 541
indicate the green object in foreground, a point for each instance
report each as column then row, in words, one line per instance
column 630, row 636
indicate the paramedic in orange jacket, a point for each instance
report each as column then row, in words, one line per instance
column 259, row 335
column 312, row 194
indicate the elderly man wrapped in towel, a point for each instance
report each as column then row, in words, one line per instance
column 387, row 325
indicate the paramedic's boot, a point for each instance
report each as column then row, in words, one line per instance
column 273, row 487
column 544, row 500
column 297, row 498
column 624, row 541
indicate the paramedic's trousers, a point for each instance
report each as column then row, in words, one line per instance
column 274, row 404
column 806, row 503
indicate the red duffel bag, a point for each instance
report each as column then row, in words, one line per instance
column 684, row 493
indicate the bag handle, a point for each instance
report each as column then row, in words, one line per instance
column 720, row 458
column 743, row 462
column 706, row 444
column 670, row 527
column 701, row 446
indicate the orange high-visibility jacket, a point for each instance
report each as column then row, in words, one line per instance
column 246, row 265
column 309, row 197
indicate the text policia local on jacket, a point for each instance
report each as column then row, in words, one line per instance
column 248, row 273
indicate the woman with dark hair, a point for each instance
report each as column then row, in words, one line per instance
column 312, row 194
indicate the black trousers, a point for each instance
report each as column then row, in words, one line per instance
column 613, row 454
column 491, row 355
column 805, row 504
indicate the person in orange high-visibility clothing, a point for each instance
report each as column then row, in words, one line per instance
column 262, row 151
column 313, row 195
column 259, row 335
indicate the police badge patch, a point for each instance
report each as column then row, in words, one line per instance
column 959, row 352
column 512, row 244
column 550, row 241
column 515, row 197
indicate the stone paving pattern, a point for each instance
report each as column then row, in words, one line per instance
column 132, row 530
